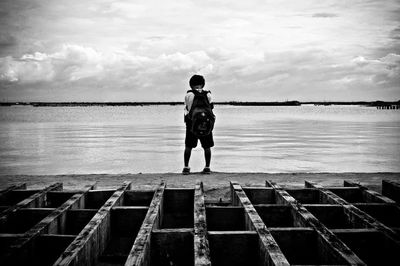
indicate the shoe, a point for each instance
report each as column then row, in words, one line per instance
column 186, row 170
column 206, row 171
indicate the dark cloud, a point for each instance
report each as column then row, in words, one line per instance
column 324, row 15
column 395, row 34
column 7, row 40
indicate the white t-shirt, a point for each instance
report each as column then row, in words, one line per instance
column 189, row 100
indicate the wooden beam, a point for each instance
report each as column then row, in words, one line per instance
column 336, row 247
column 370, row 195
column 76, row 220
column 259, row 195
column 270, row 251
column 354, row 230
column 391, row 189
column 22, row 249
column 177, row 208
column 388, row 232
column 126, row 220
column 201, row 245
column 334, row 216
column 388, row 214
column 286, row 229
column 138, row 197
column 92, row 240
column 18, row 195
column 305, row 195
column 49, row 247
column 276, row 215
column 96, row 198
column 12, row 187
column 172, row 247
column 234, row 248
column 25, row 218
column 372, row 246
column 55, row 199
column 5, row 192
column 140, row 251
column 235, row 232
column 35, row 200
column 225, row 218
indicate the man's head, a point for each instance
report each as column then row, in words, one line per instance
column 197, row 82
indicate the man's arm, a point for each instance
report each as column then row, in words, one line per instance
column 188, row 104
column 186, row 110
column 188, row 101
column 210, row 100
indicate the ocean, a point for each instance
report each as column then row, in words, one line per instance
column 150, row 139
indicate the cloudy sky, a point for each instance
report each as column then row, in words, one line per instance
column 253, row 50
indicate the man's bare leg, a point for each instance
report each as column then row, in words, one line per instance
column 188, row 152
column 207, row 156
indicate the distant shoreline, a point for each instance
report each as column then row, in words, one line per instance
column 235, row 103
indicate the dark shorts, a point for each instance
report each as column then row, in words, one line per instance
column 191, row 140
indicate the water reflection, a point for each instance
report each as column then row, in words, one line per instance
column 85, row 140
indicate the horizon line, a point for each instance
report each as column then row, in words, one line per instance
column 234, row 103
column 215, row 102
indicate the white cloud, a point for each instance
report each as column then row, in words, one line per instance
column 246, row 49
column 228, row 72
column 74, row 63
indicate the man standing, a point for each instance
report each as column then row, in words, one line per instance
column 199, row 120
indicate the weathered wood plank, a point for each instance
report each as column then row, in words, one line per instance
column 388, row 232
column 235, row 248
column 122, row 208
column 35, row 200
column 5, row 192
column 126, row 221
column 92, row 240
column 337, row 248
column 24, row 219
column 225, row 218
column 140, row 251
column 387, row 214
column 259, row 195
column 370, row 195
column 48, row 248
column 391, row 189
column 334, row 216
column 270, row 251
column 354, row 230
column 177, row 208
column 201, row 245
column 76, row 220
column 138, row 197
column 54, row 223
column 173, row 230
column 172, row 247
column 372, row 246
column 236, row 232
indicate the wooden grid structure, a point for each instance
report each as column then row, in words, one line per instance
column 265, row 225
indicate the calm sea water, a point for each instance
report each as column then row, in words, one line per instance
column 87, row 140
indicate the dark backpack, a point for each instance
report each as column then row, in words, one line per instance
column 201, row 115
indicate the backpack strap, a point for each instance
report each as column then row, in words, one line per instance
column 194, row 91
column 203, row 94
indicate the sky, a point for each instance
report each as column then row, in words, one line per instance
column 253, row 50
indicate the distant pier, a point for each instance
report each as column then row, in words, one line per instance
column 388, row 107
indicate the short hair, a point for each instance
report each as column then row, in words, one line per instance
column 196, row 80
